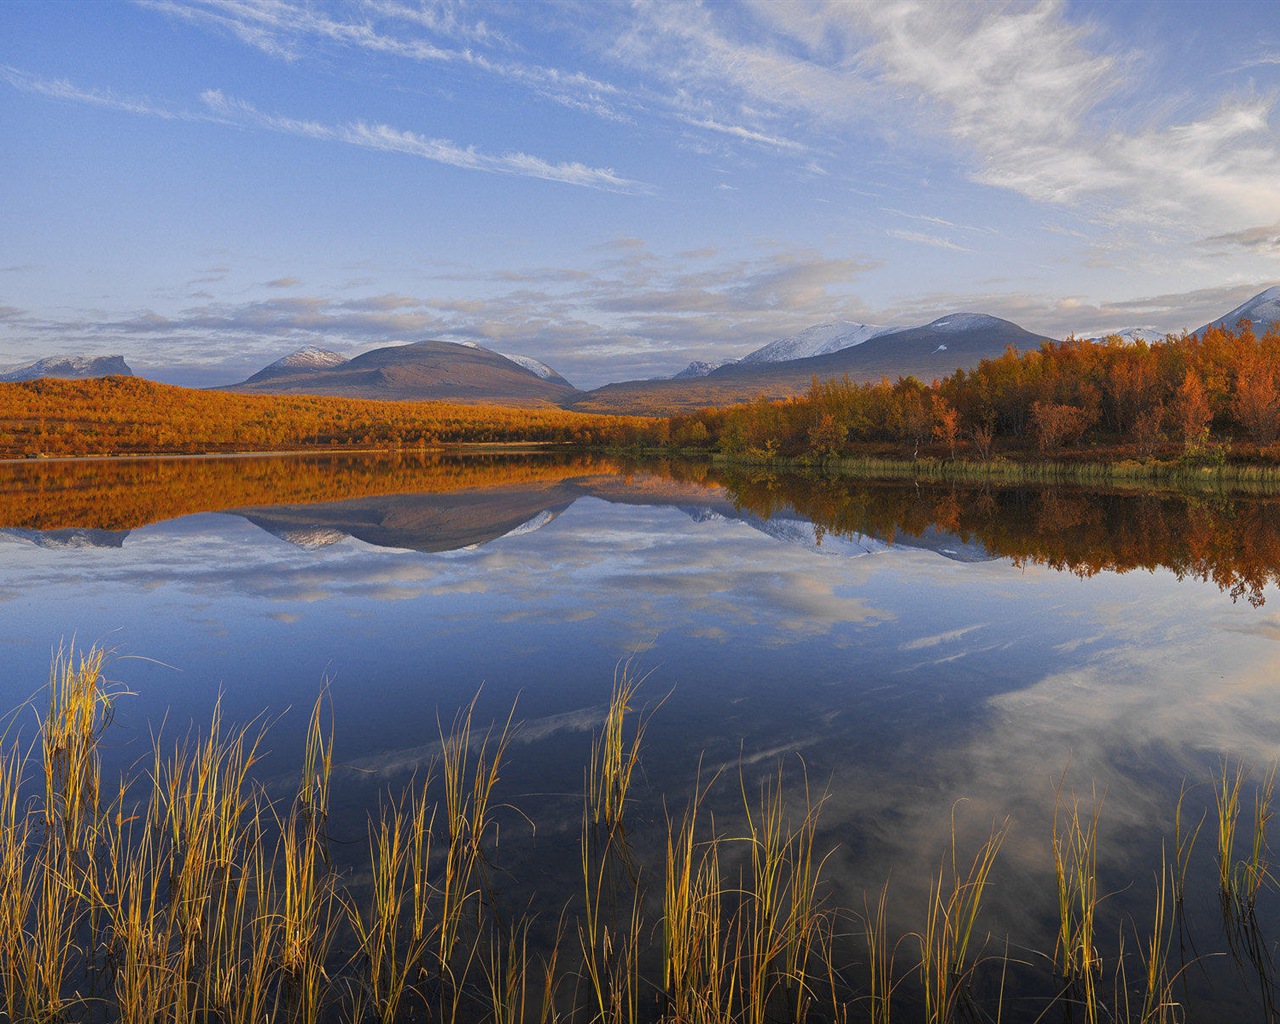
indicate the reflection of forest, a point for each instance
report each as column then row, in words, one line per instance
column 124, row 494
column 443, row 502
column 1233, row 541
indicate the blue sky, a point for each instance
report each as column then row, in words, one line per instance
column 620, row 188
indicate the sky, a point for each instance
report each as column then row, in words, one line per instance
column 620, row 188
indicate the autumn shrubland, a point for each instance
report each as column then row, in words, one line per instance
column 130, row 416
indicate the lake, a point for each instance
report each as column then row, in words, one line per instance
column 932, row 660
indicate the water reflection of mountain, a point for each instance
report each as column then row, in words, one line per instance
column 467, row 519
column 413, row 522
column 800, row 532
column 67, row 538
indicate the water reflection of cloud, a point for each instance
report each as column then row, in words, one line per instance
column 1154, row 693
column 921, row 643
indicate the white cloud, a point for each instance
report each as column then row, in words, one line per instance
column 934, row 240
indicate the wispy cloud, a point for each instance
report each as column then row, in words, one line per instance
column 284, row 282
column 936, row 241
column 291, row 32
column 747, row 134
column 219, row 108
column 387, row 139
column 61, row 89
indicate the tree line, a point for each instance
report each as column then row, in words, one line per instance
column 1188, row 395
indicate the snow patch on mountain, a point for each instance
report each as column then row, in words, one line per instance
column 1133, row 335
column 956, row 322
column 534, row 366
column 700, row 368
column 820, row 340
column 309, row 358
column 69, row 368
column 535, row 524
column 538, row 369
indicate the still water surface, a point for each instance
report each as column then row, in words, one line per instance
column 921, row 653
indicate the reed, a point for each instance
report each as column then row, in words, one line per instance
column 607, row 940
column 699, row 976
column 955, row 898
column 1184, row 843
column 1226, row 795
column 881, row 979
column 1075, row 868
column 614, row 758
column 392, row 933
column 1158, row 1004
column 1255, row 870
column 80, row 708
column 469, row 779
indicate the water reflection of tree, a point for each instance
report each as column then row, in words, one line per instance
column 127, row 494
column 1233, row 542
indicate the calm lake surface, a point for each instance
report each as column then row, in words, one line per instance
column 922, row 654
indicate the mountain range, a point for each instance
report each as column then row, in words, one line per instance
column 470, row 373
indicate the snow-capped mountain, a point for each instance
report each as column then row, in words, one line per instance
column 817, row 341
column 1263, row 310
column 1133, row 335
column 70, row 368
column 700, row 368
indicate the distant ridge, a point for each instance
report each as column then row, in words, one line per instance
column 70, row 368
